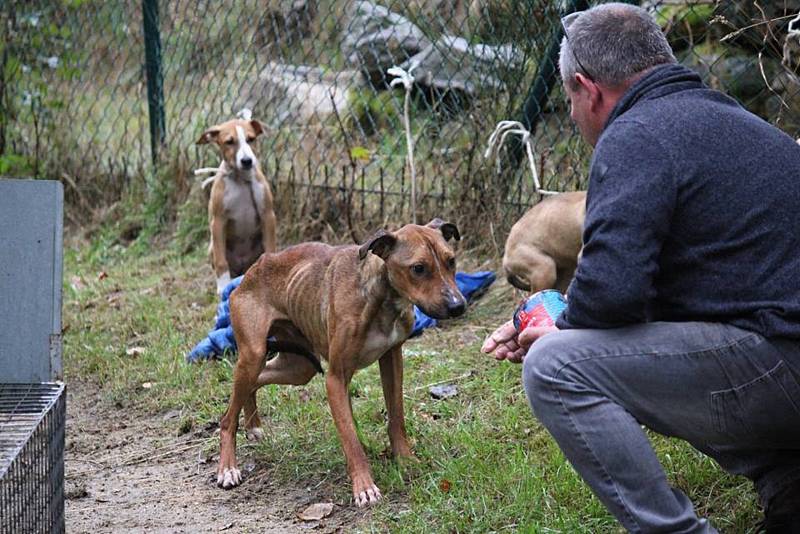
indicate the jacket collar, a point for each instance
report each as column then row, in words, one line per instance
column 660, row 81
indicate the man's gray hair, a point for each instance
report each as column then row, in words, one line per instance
column 613, row 42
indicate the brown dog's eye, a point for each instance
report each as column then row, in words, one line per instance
column 451, row 263
column 418, row 268
column 250, row 140
column 230, row 142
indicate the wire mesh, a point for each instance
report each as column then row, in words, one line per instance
column 32, row 425
column 73, row 100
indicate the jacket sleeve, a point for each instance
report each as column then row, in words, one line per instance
column 630, row 202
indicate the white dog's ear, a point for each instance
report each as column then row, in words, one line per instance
column 208, row 136
column 381, row 244
column 258, row 126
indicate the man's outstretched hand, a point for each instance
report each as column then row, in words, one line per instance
column 507, row 344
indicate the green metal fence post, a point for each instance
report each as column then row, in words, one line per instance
column 545, row 80
column 155, row 80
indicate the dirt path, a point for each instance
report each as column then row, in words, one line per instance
column 132, row 473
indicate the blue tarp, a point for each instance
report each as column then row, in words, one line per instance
column 220, row 338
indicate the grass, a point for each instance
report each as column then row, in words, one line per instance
column 485, row 464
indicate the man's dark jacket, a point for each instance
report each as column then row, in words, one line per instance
column 693, row 214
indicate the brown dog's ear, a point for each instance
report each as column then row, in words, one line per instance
column 208, row 136
column 449, row 230
column 381, row 244
column 258, row 126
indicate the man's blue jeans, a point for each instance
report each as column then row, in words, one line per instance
column 731, row 393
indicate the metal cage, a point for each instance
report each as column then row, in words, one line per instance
column 32, row 423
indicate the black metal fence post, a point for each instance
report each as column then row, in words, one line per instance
column 155, row 80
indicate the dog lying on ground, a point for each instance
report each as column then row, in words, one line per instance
column 350, row 305
column 543, row 246
column 240, row 210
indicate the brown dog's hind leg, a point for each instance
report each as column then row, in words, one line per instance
column 285, row 368
column 532, row 266
column 391, row 365
column 251, row 320
column 252, row 422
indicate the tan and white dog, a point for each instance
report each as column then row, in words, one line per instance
column 543, row 246
column 240, row 209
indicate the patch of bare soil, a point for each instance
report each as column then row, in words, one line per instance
column 131, row 472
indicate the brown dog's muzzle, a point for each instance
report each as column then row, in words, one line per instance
column 456, row 306
column 452, row 305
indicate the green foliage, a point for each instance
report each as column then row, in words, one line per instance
column 370, row 112
column 191, row 229
column 693, row 15
column 35, row 53
column 15, row 165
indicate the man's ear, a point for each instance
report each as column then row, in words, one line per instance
column 449, row 230
column 258, row 126
column 381, row 244
column 208, row 136
column 591, row 88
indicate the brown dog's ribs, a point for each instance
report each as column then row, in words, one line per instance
column 275, row 345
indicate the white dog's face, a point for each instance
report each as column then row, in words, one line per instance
column 235, row 139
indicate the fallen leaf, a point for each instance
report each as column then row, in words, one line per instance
column 445, row 485
column 102, row 275
column 316, row 511
column 135, row 351
column 147, row 385
column 359, row 152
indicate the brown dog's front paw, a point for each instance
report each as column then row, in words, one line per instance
column 365, row 492
column 229, row 477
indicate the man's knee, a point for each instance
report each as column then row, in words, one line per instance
column 543, row 366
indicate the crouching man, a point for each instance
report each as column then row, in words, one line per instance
column 684, row 313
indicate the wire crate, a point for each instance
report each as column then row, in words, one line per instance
column 32, row 423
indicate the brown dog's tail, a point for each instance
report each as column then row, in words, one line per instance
column 275, row 345
column 515, row 281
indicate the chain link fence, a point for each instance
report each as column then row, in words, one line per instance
column 98, row 94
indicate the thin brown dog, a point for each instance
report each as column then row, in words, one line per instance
column 350, row 305
column 240, row 212
column 543, row 246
